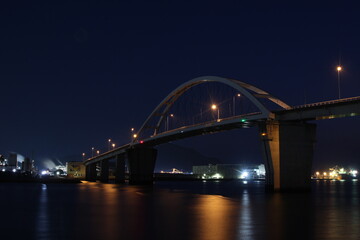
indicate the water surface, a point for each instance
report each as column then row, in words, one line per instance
column 178, row 210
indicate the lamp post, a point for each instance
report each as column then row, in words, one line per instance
column 132, row 134
column 113, row 145
column 92, row 151
column 234, row 98
column 167, row 121
column 97, row 152
column 109, row 144
column 339, row 69
column 215, row 107
column 83, row 156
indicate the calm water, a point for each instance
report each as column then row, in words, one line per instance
column 178, row 210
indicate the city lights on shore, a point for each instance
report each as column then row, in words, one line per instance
column 336, row 173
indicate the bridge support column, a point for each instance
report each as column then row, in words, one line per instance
column 91, row 172
column 141, row 165
column 288, row 150
column 104, row 171
column 120, row 169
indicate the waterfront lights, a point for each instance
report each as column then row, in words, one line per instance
column 353, row 172
column 217, row 176
column 244, row 175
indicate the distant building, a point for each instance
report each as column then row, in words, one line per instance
column 3, row 161
column 12, row 160
column 230, row 171
column 27, row 165
column 75, row 169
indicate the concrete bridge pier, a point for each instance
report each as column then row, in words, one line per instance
column 288, row 149
column 104, row 171
column 120, row 168
column 141, row 165
column 91, row 172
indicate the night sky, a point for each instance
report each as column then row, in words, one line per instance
column 75, row 73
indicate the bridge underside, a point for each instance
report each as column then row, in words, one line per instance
column 288, row 149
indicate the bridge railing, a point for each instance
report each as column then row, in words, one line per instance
column 326, row 102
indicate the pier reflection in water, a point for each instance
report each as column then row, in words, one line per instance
column 178, row 210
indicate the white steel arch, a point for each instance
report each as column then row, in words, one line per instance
column 241, row 87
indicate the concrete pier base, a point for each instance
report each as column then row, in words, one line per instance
column 288, row 149
column 141, row 165
column 120, row 169
column 91, row 172
column 104, row 171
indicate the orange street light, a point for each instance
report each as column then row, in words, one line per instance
column 339, row 69
column 215, row 107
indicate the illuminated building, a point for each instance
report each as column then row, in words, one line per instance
column 75, row 169
column 230, row 171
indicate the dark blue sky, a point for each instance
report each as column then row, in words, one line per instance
column 75, row 73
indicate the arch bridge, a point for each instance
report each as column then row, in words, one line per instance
column 287, row 139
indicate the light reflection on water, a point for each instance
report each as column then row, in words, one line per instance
column 179, row 210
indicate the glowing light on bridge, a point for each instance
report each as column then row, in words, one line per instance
column 215, row 107
column 135, row 135
column 339, row 69
column 109, row 141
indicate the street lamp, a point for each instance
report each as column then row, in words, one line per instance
column 339, row 69
column 113, row 145
column 237, row 95
column 132, row 133
column 83, row 156
column 109, row 143
column 92, row 151
column 215, row 107
column 167, row 121
column 97, row 152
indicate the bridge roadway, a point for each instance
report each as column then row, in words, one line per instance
column 346, row 107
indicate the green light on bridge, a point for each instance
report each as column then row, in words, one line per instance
column 243, row 120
